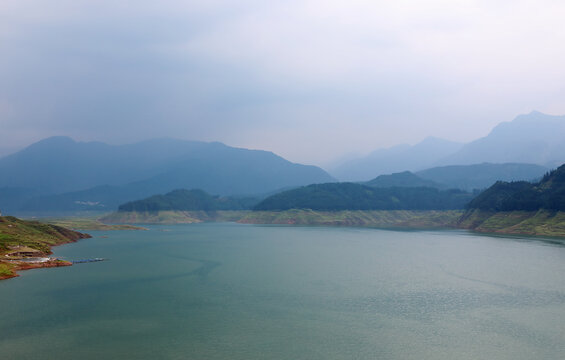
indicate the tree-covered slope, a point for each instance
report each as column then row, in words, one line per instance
column 351, row 196
column 549, row 194
column 403, row 179
column 187, row 200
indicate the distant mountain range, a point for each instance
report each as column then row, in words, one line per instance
column 481, row 176
column 64, row 175
column 534, row 138
column 396, row 159
column 464, row 177
column 403, row 190
column 60, row 174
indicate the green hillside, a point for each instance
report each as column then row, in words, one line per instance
column 549, row 194
column 520, row 207
column 351, row 196
column 187, row 200
column 32, row 236
column 403, row 179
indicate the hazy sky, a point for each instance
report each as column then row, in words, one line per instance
column 309, row 80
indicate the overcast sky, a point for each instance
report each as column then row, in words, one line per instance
column 309, row 80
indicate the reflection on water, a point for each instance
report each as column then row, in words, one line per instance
column 228, row 291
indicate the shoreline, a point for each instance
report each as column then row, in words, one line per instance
column 534, row 223
column 22, row 240
column 15, row 266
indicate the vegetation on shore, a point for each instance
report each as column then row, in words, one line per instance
column 17, row 236
column 171, row 217
column 539, row 223
column 542, row 223
column 87, row 223
column 373, row 218
column 520, row 207
column 509, row 208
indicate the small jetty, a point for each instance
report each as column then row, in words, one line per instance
column 87, row 260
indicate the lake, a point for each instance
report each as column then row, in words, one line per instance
column 232, row 291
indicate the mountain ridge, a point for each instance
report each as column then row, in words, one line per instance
column 396, row 159
column 534, row 138
column 59, row 169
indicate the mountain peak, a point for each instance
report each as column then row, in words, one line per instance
column 534, row 138
column 55, row 140
column 536, row 116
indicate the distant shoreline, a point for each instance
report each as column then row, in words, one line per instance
column 535, row 223
column 374, row 218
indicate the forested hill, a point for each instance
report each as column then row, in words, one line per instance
column 403, row 179
column 549, row 193
column 351, row 196
column 187, row 200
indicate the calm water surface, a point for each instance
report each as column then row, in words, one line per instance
column 229, row 291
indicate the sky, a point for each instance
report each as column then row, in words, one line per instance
column 312, row 81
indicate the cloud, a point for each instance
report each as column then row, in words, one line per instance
column 307, row 79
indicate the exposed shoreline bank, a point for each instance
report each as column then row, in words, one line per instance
column 14, row 266
column 21, row 240
column 536, row 223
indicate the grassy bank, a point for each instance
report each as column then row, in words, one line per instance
column 33, row 234
column 375, row 218
column 87, row 223
column 171, row 217
column 539, row 223
column 33, row 237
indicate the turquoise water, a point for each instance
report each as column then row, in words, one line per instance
column 229, row 291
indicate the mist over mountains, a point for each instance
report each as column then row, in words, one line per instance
column 69, row 175
column 481, row 176
column 60, row 174
column 534, row 138
column 396, row 159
